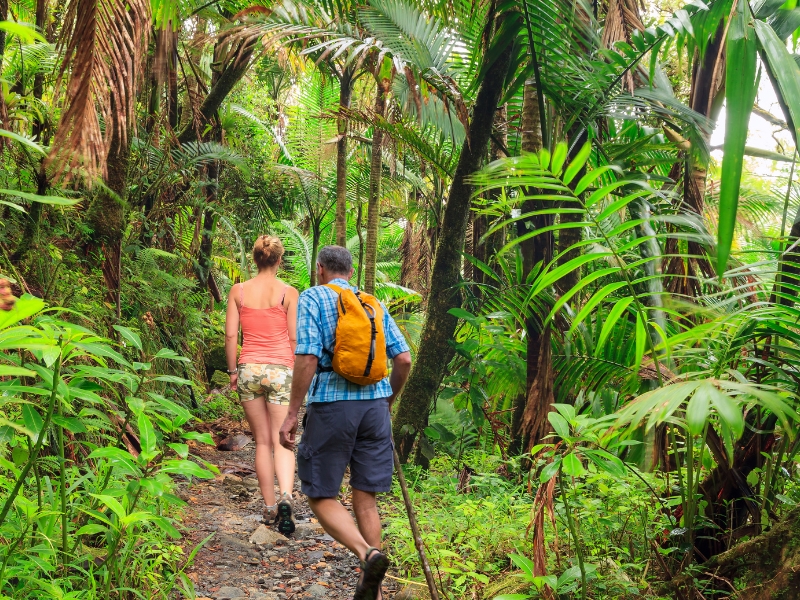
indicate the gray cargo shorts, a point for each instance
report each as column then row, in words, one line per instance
column 354, row 432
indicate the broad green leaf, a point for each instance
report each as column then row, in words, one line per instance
column 559, row 156
column 460, row 313
column 523, row 563
column 609, row 322
column 111, row 503
column 641, row 339
column 596, row 299
column 26, row 33
column 577, row 163
column 130, row 336
column 11, row 371
column 740, row 90
column 186, row 468
column 572, row 466
column 71, row 424
column 147, row 437
column 32, row 420
column 91, row 529
column 181, row 450
column 200, row 437
column 118, row 458
column 550, row 470
column 698, row 409
column 728, row 410
column 54, row 200
column 168, row 354
column 28, row 143
column 166, row 526
column 559, row 424
column 25, row 307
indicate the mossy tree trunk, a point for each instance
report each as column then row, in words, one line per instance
column 435, row 352
column 345, row 92
column 374, row 200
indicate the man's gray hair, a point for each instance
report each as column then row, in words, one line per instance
column 336, row 260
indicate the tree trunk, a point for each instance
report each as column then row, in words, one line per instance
column 316, row 234
column 107, row 219
column 374, row 201
column 345, row 92
column 529, row 419
column 434, row 352
column 359, row 229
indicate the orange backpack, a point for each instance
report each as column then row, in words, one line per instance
column 359, row 354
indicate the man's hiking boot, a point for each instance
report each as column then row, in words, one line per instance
column 285, row 518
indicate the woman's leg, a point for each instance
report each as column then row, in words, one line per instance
column 259, row 420
column 284, row 459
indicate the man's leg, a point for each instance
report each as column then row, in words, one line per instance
column 369, row 521
column 340, row 525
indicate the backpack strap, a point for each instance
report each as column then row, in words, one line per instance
column 338, row 291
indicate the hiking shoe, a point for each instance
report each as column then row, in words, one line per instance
column 373, row 570
column 270, row 513
column 285, row 517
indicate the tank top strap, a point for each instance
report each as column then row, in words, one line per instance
column 241, row 295
column 283, row 296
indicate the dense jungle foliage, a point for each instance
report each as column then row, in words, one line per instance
column 582, row 215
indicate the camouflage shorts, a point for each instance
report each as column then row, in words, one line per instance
column 273, row 382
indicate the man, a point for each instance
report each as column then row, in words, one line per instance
column 346, row 423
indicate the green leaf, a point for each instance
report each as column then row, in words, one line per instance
column 130, row 336
column 111, row 503
column 71, row 424
column 559, row 156
column 577, row 163
column 559, row 424
column 740, row 91
column 53, row 200
column 147, row 437
column 460, row 313
column 550, row 470
column 523, row 563
column 641, row 339
column 728, row 410
column 91, row 529
column 609, row 322
column 181, row 450
column 572, row 466
column 186, row 468
column 200, row 437
column 118, row 458
column 32, row 420
column 698, row 409
column 30, row 144
column 168, row 354
column 10, row 371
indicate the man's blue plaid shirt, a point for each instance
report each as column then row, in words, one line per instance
column 317, row 316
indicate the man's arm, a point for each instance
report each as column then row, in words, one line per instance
column 401, row 367
column 305, row 365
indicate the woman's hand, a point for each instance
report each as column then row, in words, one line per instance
column 234, row 381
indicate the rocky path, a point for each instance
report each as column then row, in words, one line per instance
column 244, row 558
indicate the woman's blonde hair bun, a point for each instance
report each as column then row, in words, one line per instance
column 267, row 251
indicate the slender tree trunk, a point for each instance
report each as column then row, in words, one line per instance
column 345, row 92
column 529, row 419
column 316, row 234
column 374, row 202
column 359, row 229
column 172, row 83
column 434, row 349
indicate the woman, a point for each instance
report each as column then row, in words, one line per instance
column 266, row 308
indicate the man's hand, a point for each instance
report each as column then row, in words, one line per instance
column 288, row 433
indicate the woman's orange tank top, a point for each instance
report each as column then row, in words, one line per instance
column 265, row 334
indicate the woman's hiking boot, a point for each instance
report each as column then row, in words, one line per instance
column 269, row 514
column 285, row 517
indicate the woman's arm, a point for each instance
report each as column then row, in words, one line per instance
column 232, row 335
column 291, row 317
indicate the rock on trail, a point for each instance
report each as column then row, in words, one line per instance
column 248, row 560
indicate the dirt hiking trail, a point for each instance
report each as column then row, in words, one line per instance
column 247, row 560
